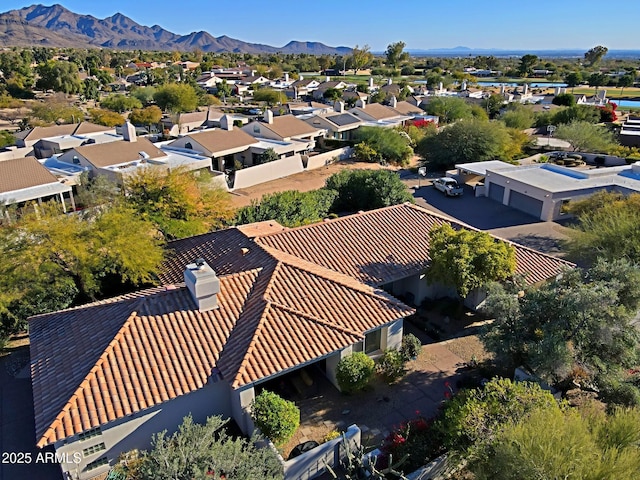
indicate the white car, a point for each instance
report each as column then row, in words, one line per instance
column 448, row 186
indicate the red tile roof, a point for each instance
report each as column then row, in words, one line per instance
column 100, row 362
column 380, row 246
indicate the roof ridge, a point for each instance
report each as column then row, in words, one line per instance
column 101, row 359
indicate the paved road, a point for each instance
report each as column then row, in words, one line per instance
column 17, row 424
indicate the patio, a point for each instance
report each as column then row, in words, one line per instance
column 429, row 379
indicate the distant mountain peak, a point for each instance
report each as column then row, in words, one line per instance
column 55, row 25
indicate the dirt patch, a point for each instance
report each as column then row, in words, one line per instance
column 303, row 182
column 469, row 349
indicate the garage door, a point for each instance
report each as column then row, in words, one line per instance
column 525, row 203
column 496, row 192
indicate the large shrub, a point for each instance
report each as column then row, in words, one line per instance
column 411, row 347
column 354, row 372
column 277, row 418
column 391, row 365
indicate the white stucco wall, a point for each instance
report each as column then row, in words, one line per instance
column 135, row 431
column 248, row 177
column 241, row 408
column 323, row 159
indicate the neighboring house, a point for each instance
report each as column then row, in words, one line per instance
column 183, row 123
column 339, row 125
column 350, row 94
column 406, row 108
column 24, row 180
column 224, row 146
column 284, row 128
column 630, row 132
column 47, row 147
column 544, row 190
column 255, row 80
column 302, row 109
column 108, row 375
column 580, row 99
column 116, row 160
column 28, row 138
column 398, row 264
column 375, row 114
column 318, row 93
column 208, row 80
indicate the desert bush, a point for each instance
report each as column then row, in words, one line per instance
column 391, row 365
column 354, row 372
column 277, row 418
column 411, row 347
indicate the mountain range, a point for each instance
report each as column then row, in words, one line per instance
column 56, row 26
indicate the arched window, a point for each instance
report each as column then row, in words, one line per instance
column 188, row 145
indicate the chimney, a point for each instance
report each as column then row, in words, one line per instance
column 440, row 86
column 525, row 89
column 502, row 89
column 203, row 284
column 464, row 86
column 361, row 103
column 226, row 122
column 370, row 82
column 389, row 81
column 286, row 78
column 327, row 78
column 338, row 106
column 129, row 132
column 393, row 102
column 300, row 77
column 268, row 117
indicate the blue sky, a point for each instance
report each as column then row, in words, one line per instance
column 506, row 24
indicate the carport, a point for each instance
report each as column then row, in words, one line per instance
column 475, row 172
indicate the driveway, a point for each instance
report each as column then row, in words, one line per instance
column 17, row 424
column 481, row 212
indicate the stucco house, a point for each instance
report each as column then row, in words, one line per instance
column 284, row 128
column 376, row 114
column 25, row 179
column 262, row 302
column 116, row 160
column 43, row 139
column 338, row 124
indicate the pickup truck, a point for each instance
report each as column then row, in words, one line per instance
column 448, row 186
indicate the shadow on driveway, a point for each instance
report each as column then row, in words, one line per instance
column 480, row 212
column 17, row 423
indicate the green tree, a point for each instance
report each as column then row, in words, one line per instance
column 223, row 89
column 270, row 96
column 595, row 54
column 91, row 89
column 207, row 451
column 598, row 79
column 277, row 418
column 573, row 79
column 576, row 328
column 586, row 137
column 120, row 103
column 360, row 58
column 564, row 99
column 467, row 259
column 144, row 94
column 269, row 155
column 6, row 138
column 449, row 109
column 580, row 113
column 626, row 81
column 493, row 104
column 395, row 54
column 106, row 117
column 527, row 62
column 466, row 141
column 179, row 203
column 50, row 260
column 603, row 219
column 332, row 94
column 519, row 117
column 176, row 98
column 555, row 443
column 56, row 109
column 146, row 116
column 59, row 76
column 366, row 190
column 385, row 144
column 289, row 208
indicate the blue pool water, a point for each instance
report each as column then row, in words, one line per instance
column 564, row 171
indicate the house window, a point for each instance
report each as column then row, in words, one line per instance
column 94, row 449
column 97, row 463
column 76, row 160
column 94, row 432
column 372, row 341
column 256, row 129
column 564, row 207
column 188, row 145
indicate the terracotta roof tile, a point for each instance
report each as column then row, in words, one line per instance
column 143, row 349
column 388, row 244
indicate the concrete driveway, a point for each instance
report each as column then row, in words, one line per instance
column 17, row 424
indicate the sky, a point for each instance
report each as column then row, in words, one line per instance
column 500, row 24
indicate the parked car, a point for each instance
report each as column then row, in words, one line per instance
column 448, row 186
column 256, row 111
